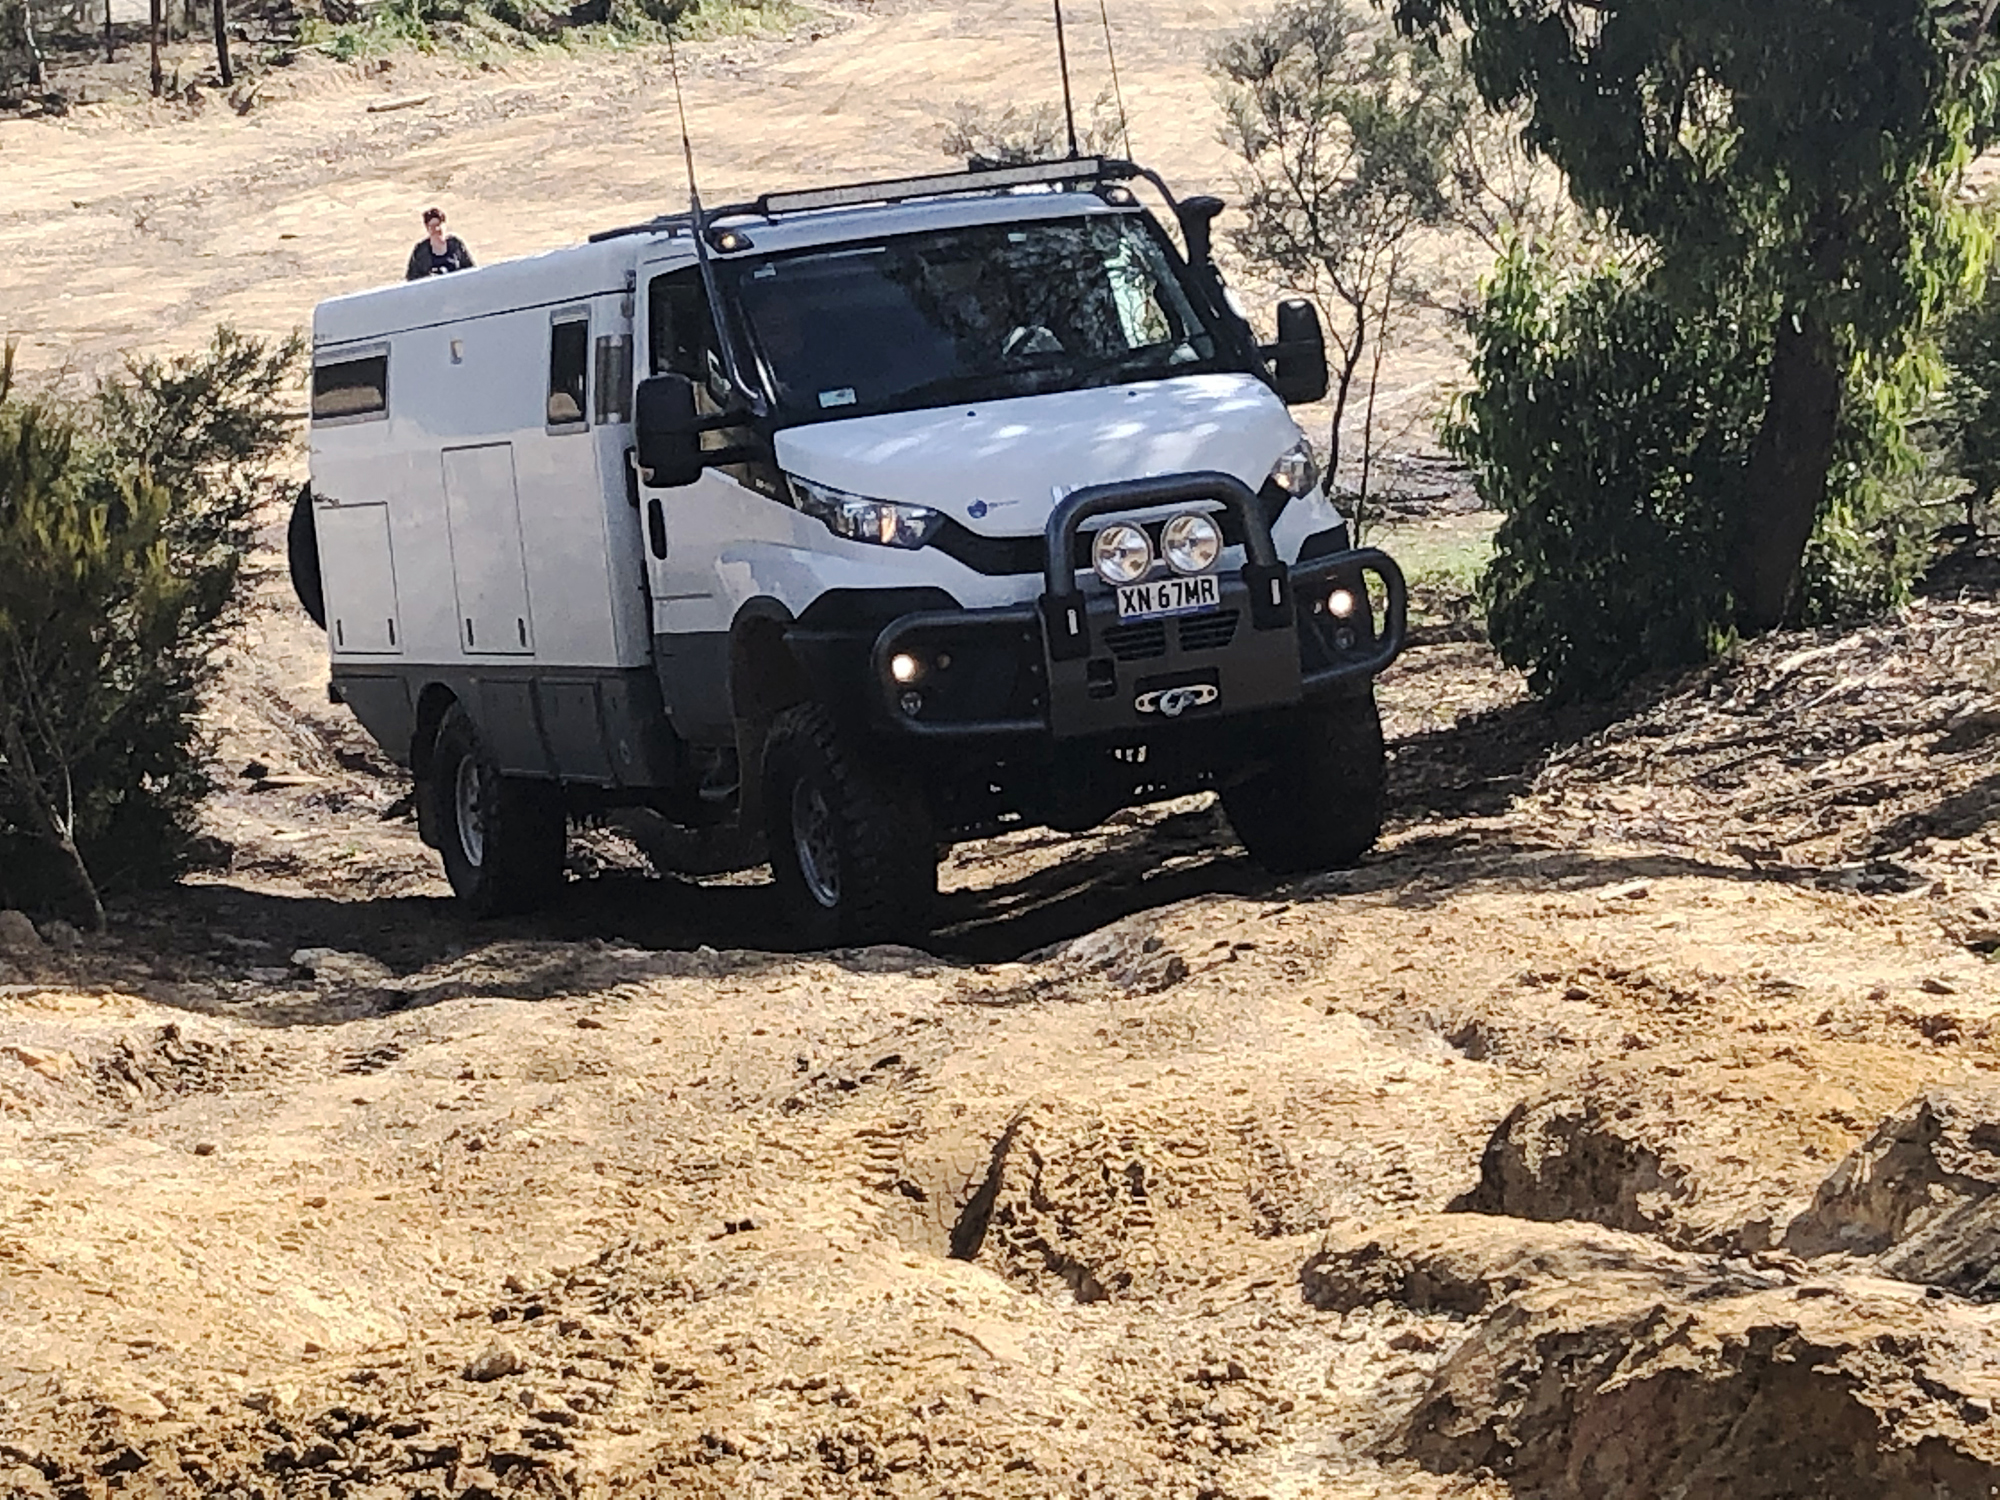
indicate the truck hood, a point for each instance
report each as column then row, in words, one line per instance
column 998, row 467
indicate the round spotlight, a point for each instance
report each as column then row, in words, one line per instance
column 1122, row 554
column 905, row 668
column 1340, row 604
column 1191, row 543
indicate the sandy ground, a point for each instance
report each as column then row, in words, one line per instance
column 1626, row 1127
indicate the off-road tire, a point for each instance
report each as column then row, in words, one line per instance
column 302, row 555
column 1318, row 805
column 878, row 829
column 521, row 832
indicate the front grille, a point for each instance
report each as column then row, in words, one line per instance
column 1209, row 632
column 1137, row 642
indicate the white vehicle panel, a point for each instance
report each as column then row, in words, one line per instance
column 998, row 467
column 358, row 574
column 488, row 569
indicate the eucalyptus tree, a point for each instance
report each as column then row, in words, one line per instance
column 1814, row 147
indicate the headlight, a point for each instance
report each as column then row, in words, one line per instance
column 859, row 519
column 1296, row 470
column 1191, row 543
column 1122, row 554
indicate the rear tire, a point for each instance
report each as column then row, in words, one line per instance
column 853, row 849
column 503, row 838
column 1318, row 806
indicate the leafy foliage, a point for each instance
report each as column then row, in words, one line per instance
column 1609, row 429
column 124, row 523
column 1971, row 415
column 1614, row 427
column 1345, row 136
column 1019, row 135
column 1808, row 148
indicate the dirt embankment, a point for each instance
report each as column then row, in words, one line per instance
column 1543, row 1156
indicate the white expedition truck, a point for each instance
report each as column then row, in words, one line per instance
column 856, row 522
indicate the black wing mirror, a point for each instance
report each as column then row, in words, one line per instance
column 1298, row 359
column 668, row 431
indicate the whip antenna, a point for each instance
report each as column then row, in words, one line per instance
column 1069, row 99
column 1117, row 94
column 687, row 141
column 725, row 343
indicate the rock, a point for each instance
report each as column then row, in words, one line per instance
column 36, row 1060
column 1936, row 1155
column 1712, row 1152
column 1921, row 1195
column 18, row 936
column 61, row 936
column 1600, row 1364
column 255, row 771
column 496, row 1361
column 1135, row 960
column 334, row 966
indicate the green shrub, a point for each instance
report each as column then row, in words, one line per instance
column 124, row 525
column 1612, row 424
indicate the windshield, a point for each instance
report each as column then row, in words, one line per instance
column 971, row 314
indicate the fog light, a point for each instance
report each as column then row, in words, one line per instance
column 905, row 668
column 913, row 703
column 1340, row 604
column 1122, row 554
column 1191, row 543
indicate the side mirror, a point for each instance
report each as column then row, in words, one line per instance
column 1298, row 359
column 668, row 431
column 1197, row 216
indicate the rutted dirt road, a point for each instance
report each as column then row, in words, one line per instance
column 1627, row 1127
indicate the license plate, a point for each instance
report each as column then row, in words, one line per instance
column 1170, row 596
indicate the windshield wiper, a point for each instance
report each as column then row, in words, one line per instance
column 1153, row 357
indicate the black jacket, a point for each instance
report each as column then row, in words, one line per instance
column 426, row 262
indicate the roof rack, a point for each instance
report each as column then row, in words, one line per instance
column 980, row 179
column 670, row 223
column 989, row 180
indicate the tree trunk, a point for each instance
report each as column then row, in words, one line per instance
column 110, row 46
column 48, row 824
column 1788, row 469
column 35, row 71
column 156, row 13
column 222, row 43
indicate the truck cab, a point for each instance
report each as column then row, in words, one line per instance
column 840, row 526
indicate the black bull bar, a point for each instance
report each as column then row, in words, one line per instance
column 1292, row 651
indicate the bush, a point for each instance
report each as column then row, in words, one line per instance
column 124, row 524
column 1612, row 424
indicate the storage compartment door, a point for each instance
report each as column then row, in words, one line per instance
column 484, row 513
column 359, row 577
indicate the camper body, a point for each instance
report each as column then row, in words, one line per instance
column 865, row 522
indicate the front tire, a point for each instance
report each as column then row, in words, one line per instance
column 853, row 849
column 503, row 839
column 1318, row 805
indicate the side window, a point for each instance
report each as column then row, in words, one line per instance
column 614, row 378
column 681, row 332
column 351, row 390
column 569, row 355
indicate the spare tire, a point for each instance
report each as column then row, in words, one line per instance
column 302, row 552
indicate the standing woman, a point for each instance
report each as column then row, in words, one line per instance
column 437, row 252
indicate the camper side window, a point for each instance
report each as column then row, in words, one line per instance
column 569, row 355
column 351, row 390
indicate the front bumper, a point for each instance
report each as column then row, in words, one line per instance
column 1066, row 666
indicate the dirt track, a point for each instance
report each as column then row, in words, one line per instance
column 1156, row 1178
